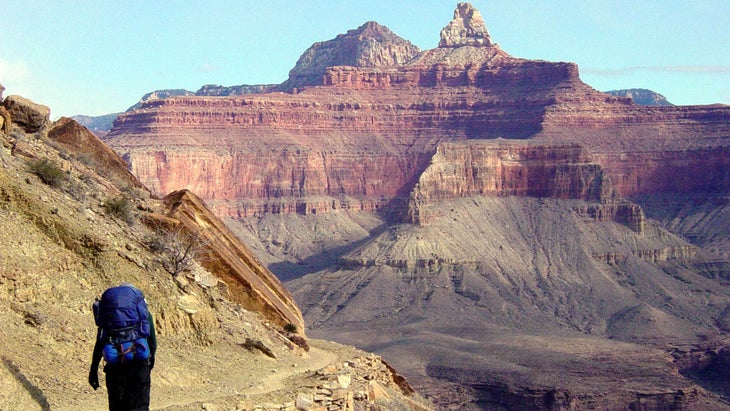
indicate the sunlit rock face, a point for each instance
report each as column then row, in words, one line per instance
column 364, row 113
column 464, row 211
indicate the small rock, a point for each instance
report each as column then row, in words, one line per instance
column 324, row 391
column 209, row 407
column 189, row 304
column 304, row 402
column 330, row 385
column 344, row 380
column 377, row 392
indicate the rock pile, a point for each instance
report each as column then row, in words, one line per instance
column 356, row 384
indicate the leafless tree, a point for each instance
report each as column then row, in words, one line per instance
column 177, row 247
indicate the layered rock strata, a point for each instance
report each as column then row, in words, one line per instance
column 462, row 140
column 248, row 281
column 373, row 111
column 499, row 168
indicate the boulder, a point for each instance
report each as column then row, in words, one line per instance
column 75, row 138
column 29, row 115
column 5, row 121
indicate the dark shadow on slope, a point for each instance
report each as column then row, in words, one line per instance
column 35, row 392
column 392, row 211
column 713, row 375
column 287, row 270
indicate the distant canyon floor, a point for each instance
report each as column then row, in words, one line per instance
column 503, row 295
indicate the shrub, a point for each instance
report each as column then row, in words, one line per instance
column 178, row 248
column 120, row 207
column 48, row 171
column 290, row 328
column 77, row 191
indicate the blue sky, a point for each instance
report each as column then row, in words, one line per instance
column 96, row 56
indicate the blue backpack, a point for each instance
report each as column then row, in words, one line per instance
column 123, row 319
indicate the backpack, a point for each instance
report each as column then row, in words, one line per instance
column 123, row 320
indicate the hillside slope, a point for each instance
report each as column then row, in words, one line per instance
column 74, row 222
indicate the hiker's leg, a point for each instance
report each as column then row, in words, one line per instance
column 115, row 387
column 138, row 386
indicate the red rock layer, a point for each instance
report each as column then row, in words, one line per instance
column 501, row 167
column 367, row 134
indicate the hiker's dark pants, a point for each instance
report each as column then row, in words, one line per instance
column 128, row 385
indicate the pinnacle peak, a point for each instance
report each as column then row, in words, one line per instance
column 467, row 28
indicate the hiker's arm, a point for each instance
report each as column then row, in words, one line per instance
column 152, row 341
column 143, row 313
column 95, row 360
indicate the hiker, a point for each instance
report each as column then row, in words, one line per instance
column 126, row 340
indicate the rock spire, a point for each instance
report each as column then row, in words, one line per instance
column 467, row 28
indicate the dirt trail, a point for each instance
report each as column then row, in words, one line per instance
column 248, row 383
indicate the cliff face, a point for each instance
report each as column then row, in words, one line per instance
column 393, row 115
column 441, row 196
column 500, row 168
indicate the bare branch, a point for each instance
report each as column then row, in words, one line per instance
column 178, row 248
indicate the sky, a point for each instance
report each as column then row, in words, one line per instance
column 95, row 57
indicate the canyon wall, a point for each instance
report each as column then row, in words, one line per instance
column 475, row 193
column 502, row 168
column 368, row 132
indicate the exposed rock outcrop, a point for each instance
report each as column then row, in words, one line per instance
column 250, row 283
column 395, row 117
column 31, row 116
column 89, row 149
column 370, row 45
column 501, row 168
column 466, row 29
